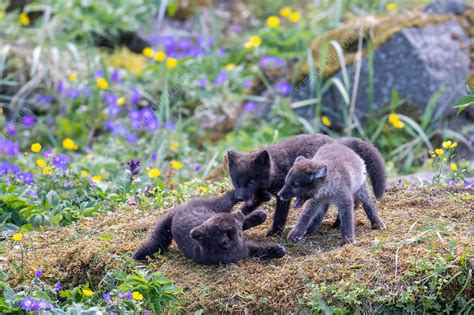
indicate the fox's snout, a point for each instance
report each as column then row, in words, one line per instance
column 283, row 194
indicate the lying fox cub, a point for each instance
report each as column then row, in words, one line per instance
column 206, row 231
column 335, row 175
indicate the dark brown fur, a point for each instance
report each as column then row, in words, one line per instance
column 258, row 174
column 206, row 231
column 336, row 175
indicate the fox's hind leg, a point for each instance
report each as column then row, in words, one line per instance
column 345, row 206
column 160, row 239
column 337, row 223
column 374, row 217
column 263, row 251
column 254, row 219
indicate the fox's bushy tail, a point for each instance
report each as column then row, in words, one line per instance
column 160, row 239
column 373, row 161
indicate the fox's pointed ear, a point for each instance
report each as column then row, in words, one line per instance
column 320, row 172
column 263, row 158
column 239, row 216
column 300, row 158
column 197, row 233
column 231, row 157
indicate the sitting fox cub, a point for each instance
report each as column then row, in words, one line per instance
column 258, row 175
column 335, row 175
column 206, row 231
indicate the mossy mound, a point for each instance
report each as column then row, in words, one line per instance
column 421, row 260
column 377, row 29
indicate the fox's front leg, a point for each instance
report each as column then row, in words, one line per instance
column 263, row 251
column 313, row 213
column 280, row 216
column 254, row 219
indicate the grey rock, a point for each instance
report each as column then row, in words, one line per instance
column 417, row 62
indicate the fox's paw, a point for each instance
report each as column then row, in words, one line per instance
column 295, row 236
column 274, row 231
column 347, row 241
column 379, row 226
column 259, row 216
column 279, row 251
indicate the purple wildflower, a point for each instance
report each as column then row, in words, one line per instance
column 27, row 304
column 468, row 184
column 26, row 178
column 127, row 295
column 58, row 286
column 28, row 121
column 47, row 153
column 9, row 148
column 38, row 273
column 10, row 129
column 149, row 119
column 61, row 160
column 72, row 94
column 109, row 99
column 247, row 84
column 203, row 82
column 4, row 167
column 43, row 99
column 249, row 106
column 134, row 166
column 283, row 88
column 154, row 156
column 197, row 168
column 60, row 87
column 269, row 62
column 236, row 28
column 33, row 192
column 134, row 96
column 135, row 119
column 221, row 53
column 221, row 78
column 115, row 76
column 42, row 304
column 170, row 125
column 107, row 297
column 99, row 73
column 131, row 137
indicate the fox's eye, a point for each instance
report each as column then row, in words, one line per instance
column 252, row 181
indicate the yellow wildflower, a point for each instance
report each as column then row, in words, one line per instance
column 2, row 14
column 392, row 7
column 121, row 101
column 203, row 189
column 102, row 83
column 395, row 121
column 160, row 56
column 41, row 163
column 72, row 77
column 230, row 66
column 445, row 159
column 254, row 41
column 85, row 173
column 36, row 147
column 87, row 292
column 453, row 166
column 47, row 170
column 439, row 151
column 449, row 144
column 137, row 296
column 17, row 237
column 153, row 173
column 69, row 144
column 294, row 17
column 174, row 146
column 273, row 21
column 97, row 178
column 285, row 12
column 24, row 19
column 176, row 165
column 171, row 63
column 325, row 120
column 148, row 52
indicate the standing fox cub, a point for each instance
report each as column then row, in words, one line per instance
column 206, row 231
column 335, row 175
column 258, row 175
